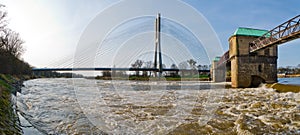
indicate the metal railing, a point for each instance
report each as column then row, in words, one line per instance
column 224, row 59
column 285, row 32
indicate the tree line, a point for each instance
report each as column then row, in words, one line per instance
column 11, row 48
column 188, row 64
column 289, row 70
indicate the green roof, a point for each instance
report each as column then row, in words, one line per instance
column 217, row 59
column 249, row 32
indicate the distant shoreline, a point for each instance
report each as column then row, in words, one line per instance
column 147, row 78
column 288, row 76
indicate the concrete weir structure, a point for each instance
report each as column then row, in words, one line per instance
column 247, row 69
column 251, row 69
column 253, row 53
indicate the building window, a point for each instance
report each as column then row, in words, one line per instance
column 259, row 68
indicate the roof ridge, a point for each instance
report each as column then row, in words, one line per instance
column 244, row 31
column 252, row 28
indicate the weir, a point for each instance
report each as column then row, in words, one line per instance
column 251, row 69
column 252, row 56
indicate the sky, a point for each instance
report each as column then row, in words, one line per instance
column 52, row 29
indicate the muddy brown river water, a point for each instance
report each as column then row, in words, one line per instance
column 82, row 106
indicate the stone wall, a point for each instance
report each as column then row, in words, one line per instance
column 251, row 69
column 218, row 73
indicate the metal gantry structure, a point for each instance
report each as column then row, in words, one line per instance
column 224, row 59
column 285, row 32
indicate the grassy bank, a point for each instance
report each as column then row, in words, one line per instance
column 284, row 87
column 9, row 121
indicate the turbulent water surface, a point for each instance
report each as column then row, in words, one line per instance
column 82, row 106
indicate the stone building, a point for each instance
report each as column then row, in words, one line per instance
column 250, row 69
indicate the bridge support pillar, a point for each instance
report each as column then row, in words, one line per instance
column 218, row 73
column 251, row 69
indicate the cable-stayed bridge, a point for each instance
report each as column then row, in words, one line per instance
column 82, row 58
column 251, row 59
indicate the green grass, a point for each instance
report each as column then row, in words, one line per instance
column 5, row 84
column 6, row 81
column 6, row 78
column 139, row 78
column 8, row 119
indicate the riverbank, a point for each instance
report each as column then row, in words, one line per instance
column 288, row 76
column 9, row 120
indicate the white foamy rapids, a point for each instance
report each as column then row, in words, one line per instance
column 81, row 106
column 262, row 110
column 144, row 107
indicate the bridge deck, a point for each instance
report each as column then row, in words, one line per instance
column 113, row 69
column 283, row 33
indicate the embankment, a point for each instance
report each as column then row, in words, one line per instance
column 9, row 121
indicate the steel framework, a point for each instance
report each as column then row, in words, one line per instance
column 285, row 32
column 224, row 59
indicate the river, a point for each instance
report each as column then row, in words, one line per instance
column 292, row 80
column 85, row 106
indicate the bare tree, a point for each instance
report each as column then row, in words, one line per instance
column 148, row 64
column 12, row 43
column 192, row 63
column 137, row 64
column 11, row 49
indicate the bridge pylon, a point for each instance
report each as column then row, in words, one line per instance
column 158, row 46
